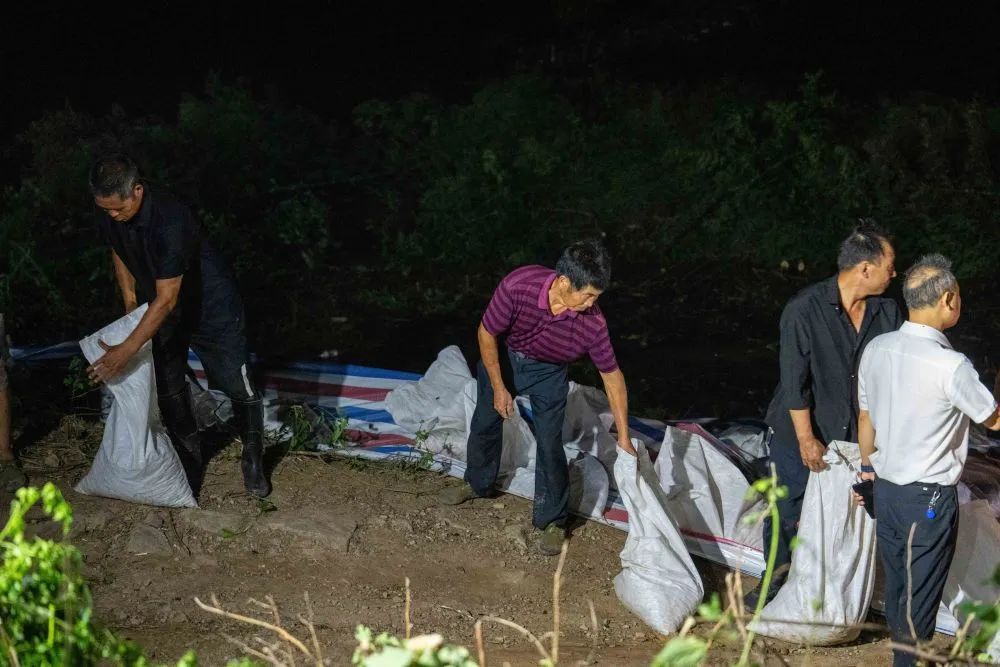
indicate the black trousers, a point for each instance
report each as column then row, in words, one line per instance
column 547, row 386
column 916, row 553
column 793, row 474
column 222, row 349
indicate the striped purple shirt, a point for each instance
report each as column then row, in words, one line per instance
column 520, row 309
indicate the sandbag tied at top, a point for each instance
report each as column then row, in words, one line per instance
column 832, row 577
column 658, row 581
column 136, row 461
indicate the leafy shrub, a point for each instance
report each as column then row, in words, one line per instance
column 423, row 200
column 385, row 650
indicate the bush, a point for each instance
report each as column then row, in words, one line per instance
column 46, row 612
column 435, row 196
column 45, row 605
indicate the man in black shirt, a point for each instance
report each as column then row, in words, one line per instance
column 160, row 257
column 824, row 330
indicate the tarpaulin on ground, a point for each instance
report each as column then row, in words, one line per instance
column 704, row 467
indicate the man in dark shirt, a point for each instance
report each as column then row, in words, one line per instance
column 161, row 258
column 548, row 319
column 824, row 330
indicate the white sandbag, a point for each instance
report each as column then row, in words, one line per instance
column 708, row 499
column 437, row 395
column 977, row 553
column 832, row 576
column 136, row 461
column 587, row 425
column 750, row 440
column 518, row 440
column 589, row 485
column 658, row 581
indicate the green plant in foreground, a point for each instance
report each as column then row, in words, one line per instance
column 46, row 614
column 45, row 605
column 976, row 646
column 385, row 650
column 685, row 650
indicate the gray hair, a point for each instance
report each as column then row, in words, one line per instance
column 114, row 175
column 927, row 280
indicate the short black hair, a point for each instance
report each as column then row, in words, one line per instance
column 864, row 244
column 586, row 263
column 115, row 174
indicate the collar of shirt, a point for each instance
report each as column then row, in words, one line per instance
column 924, row 331
column 833, row 290
column 543, row 300
column 872, row 305
column 145, row 213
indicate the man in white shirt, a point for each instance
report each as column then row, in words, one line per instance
column 916, row 397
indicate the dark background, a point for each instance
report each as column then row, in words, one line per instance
column 696, row 334
column 328, row 56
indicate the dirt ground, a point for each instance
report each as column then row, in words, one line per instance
column 348, row 534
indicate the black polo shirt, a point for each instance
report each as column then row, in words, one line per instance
column 819, row 357
column 162, row 241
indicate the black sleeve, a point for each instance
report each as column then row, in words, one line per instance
column 176, row 244
column 896, row 315
column 794, row 358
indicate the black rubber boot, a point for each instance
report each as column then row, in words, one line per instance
column 249, row 419
column 178, row 417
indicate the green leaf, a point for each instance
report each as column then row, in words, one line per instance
column 711, row 610
column 389, row 656
column 264, row 505
column 681, row 652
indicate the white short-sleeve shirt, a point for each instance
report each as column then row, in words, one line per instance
column 920, row 394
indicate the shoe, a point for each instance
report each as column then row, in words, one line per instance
column 551, row 541
column 249, row 418
column 12, row 477
column 189, row 451
column 456, row 495
column 178, row 418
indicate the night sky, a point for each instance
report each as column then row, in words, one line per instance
column 328, row 56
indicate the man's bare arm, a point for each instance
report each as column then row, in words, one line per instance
column 489, row 353
column 866, row 437
column 126, row 282
column 993, row 421
column 866, row 444
column 614, row 386
column 116, row 357
column 810, row 448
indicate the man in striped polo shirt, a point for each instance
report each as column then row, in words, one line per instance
column 549, row 319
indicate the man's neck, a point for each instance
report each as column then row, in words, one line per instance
column 851, row 293
column 927, row 317
column 556, row 304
